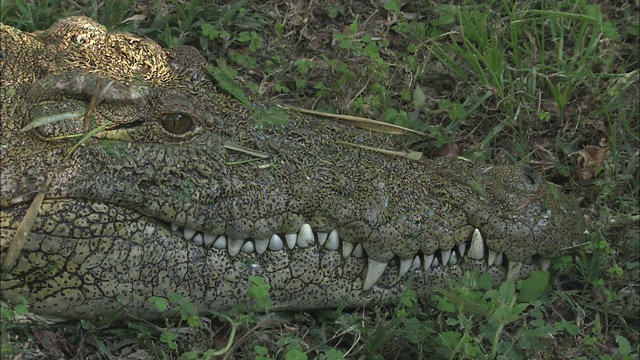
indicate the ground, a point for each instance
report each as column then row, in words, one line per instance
column 552, row 85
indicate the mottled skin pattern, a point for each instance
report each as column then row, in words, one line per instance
column 103, row 236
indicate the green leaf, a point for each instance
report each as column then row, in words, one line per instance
column 507, row 291
column 610, row 31
column 392, row 5
column 624, row 348
column 296, row 355
column 450, row 338
column 419, row 98
column 189, row 355
column 532, row 287
column 161, row 304
column 224, row 78
column 446, row 306
column 271, row 116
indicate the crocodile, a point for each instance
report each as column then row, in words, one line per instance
column 155, row 181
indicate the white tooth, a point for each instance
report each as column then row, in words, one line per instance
column 305, row 236
column 416, row 263
column 262, row 245
column 198, row 239
column 492, row 257
column 220, row 243
column 234, row 246
column 333, row 242
column 453, row 259
column 174, row 227
column 544, row 264
column 291, row 240
column 462, row 248
column 527, row 261
column 405, row 265
column 435, row 264
column 476, row 250
column 514, row 270
column 275, row 243
column 347, row 249
column 322, row 237
column 358, row 251
column 374, row 271
column 498, row 260
column 209, row 239
column 445, row 257
column 188, row 233
column 247, row 247
column 428, row 260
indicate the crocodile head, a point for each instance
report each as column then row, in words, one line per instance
column 183, row 189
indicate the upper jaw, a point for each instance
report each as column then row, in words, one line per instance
column 472, row 254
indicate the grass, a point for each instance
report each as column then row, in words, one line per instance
column 508, row 82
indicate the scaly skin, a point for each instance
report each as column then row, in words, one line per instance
column 111, row 231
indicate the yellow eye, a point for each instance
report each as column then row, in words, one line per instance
column 177, row 123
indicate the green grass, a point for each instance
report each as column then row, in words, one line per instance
column 524, row 82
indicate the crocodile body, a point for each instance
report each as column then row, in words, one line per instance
column 186, row 190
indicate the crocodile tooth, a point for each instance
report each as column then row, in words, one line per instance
column 333, row 242
column 234, row 246
column 188, row 233
column 462, row 248
column 513, row 273
column 198, row 239
column 305, row 236
column 322, row 238
column 247, row 247
column 291, row 240
column 446, row 254
column 374, row 271
column 544, row 264
column 358, row 251
column 174, row 227
column 347, row 249
column 405, row 265
column 476, row 251
column 416, row 263
column 209, row 239
column 275, row 243
column 262, row 245
column 428, row 260
column 492, row 257
column 498, row 260
column 453, row 259
column 435, row 264
column 220, row 243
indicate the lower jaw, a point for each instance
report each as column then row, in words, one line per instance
column 67, row 279
column 300, row 279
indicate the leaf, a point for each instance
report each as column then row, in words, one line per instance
column 45, row 120
column 419, row 99
column 465, row 305
column 361, row 122
column 412, row 155
column 532, row 287
column 226, row 82
column 590, row 161
column 161, row 304
column 270, row 116
column 624, row 348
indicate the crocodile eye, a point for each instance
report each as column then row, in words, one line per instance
column 177, row 123
column 531, row 175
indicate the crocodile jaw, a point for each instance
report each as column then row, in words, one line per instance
column 88, row 277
